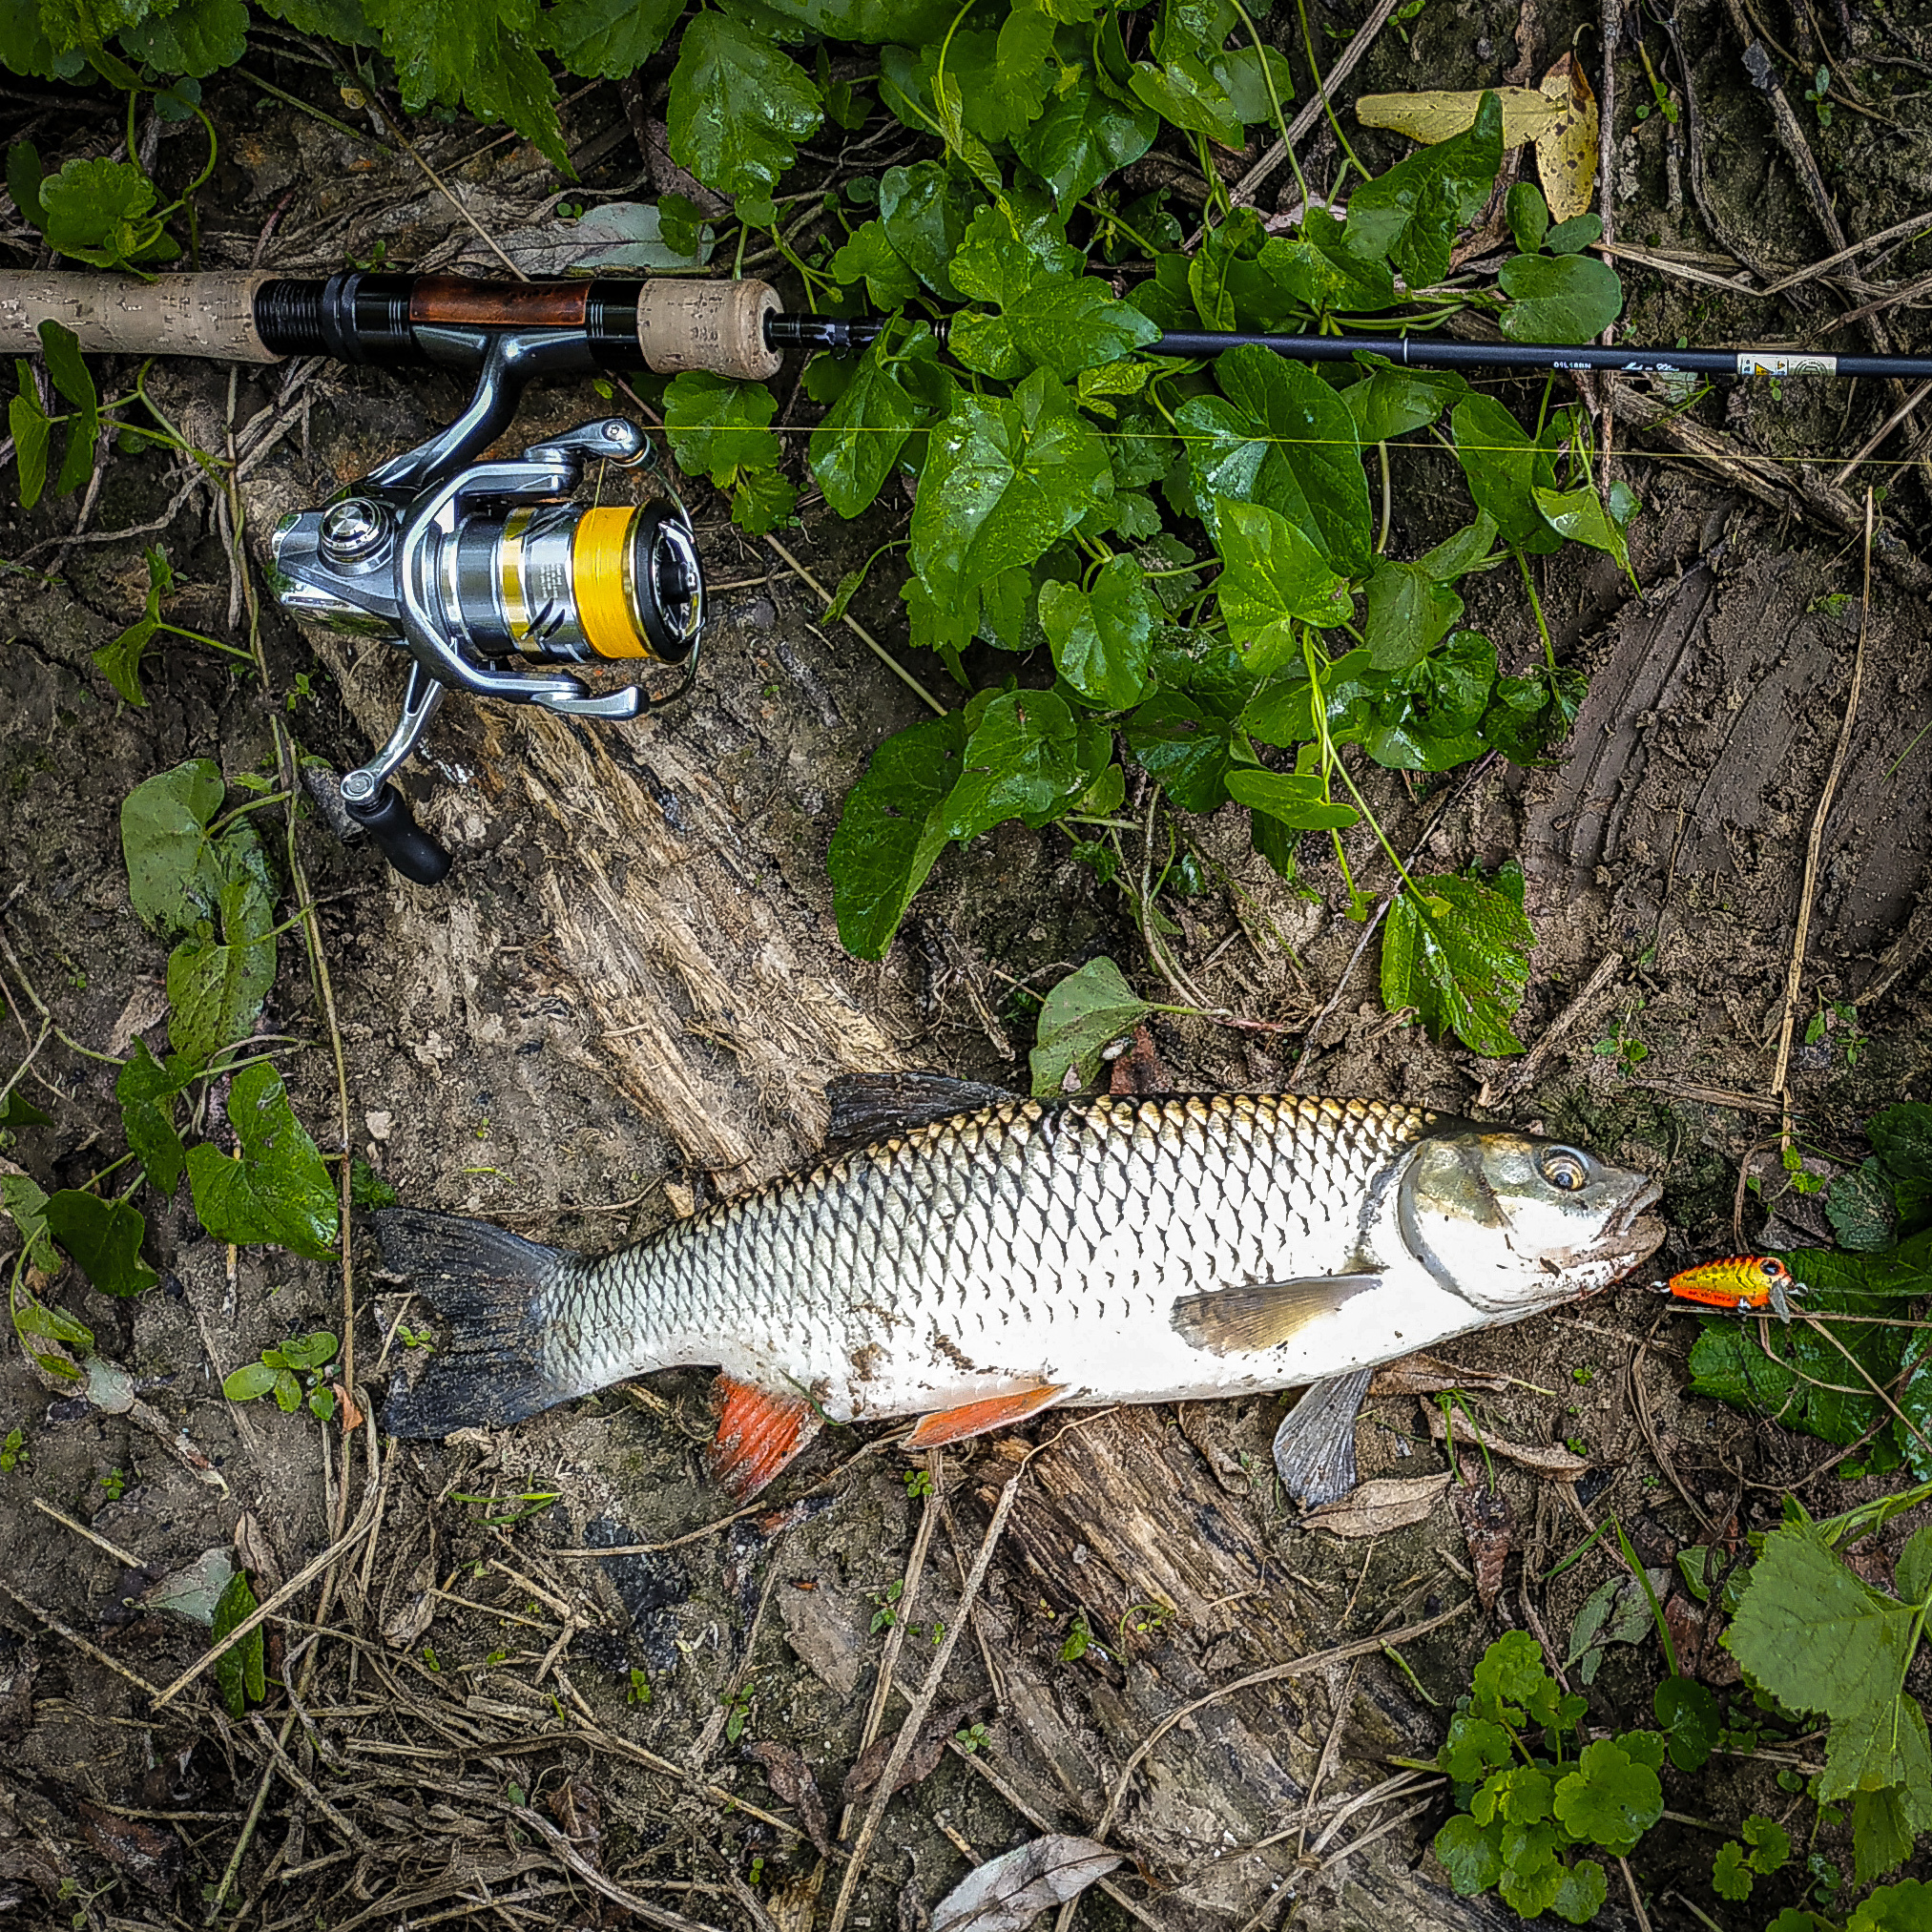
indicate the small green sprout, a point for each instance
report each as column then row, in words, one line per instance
column 639, row 1691
column 114, row 1483
column 1078, row 1638
column 14, row 1454
column 298, row 1372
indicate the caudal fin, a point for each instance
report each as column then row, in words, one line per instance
column 493, row 1290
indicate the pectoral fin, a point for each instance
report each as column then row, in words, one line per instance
column 975, row 1419
column 1264, row 1314
column 758, row 1434
column 1315, row 1445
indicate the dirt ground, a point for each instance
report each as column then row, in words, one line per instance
column 628, row 997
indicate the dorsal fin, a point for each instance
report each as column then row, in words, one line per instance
column 874, row 1106
column 1264, row 1314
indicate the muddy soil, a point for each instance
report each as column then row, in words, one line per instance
column 628, row 1000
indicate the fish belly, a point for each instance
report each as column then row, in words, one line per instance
column 1031, row 1243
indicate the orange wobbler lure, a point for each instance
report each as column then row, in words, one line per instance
column 1743, row 1283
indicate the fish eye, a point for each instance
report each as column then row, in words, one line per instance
column 1565, row 1168
column 1771, row 1268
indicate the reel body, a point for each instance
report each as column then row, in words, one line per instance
column 488, row 573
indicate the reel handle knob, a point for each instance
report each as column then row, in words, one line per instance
column 402, row 840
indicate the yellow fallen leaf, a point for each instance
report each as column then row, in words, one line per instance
column 1567, row 150
column 1528, row 114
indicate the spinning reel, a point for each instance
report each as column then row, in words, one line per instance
column 481, row 571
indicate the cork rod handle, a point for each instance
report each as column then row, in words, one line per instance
column 175, row 315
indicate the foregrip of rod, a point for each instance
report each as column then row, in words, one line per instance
column 689, row 323
column 175, row 315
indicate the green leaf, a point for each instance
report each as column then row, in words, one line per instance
column 70, row 375
column 738, row 107
column 1460, row 955
column 1176, row 741
column 1505, row 469
column 1297, row 800
column 1580, row 231
column 762, row 500
column 27, row 422
column 1912, row 1576
column 27, row 1206
column 1509, row 1682
column 321, row 1404
column 890, row 832
column 343, row 20
column 104, row 1238
column 1471, row 1854
column 1274, row 577
column 716, row 426
column 17, row 1111
column 1884, row 1835
column 215, row 988
column 1187, row 94
column 251, row 1380
column 1529, row 215
column 197, row 37
column 1531, row 1875
column 1389, row 402
column 1056, row 324
column 279, row 1191
column 1102, row 640
column 1475, row 1747
column 1408, row 613
column 475, row 51
column 1518, row 1796
column 1814, row 1634
column 925, row 214
column 1879, row 1746
column 1769, row 1845
column 1859, row 1204
column 1470, row 549
column 1082, row 136
column 1239, row 75
column 173, row 873
column 1411, row 213
column 120, row 662
column 869, row 257
column 1903, row 1137
column 1283, row 438
column 239, row 1671
column 1610, row 1800
column 1085, row 1013
column 871, row 21
column 608, row 39
column 1004, row 478
column 310, row 1351
column 1581, row 1892
column 146, row 1090
column 1690, row 1719
column 1578, row 514
column 1731, row 1877
column 102, row 212
column 1903, row 1907
column 1559, row 298
column 1022, row 761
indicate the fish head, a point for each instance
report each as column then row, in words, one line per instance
column 1513, row 1222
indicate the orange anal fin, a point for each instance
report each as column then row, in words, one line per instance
column 975, row 1419
column 758, row 1434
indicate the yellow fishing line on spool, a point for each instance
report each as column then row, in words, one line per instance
column 600, row 565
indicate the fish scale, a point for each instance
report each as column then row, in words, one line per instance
column 973, row 1268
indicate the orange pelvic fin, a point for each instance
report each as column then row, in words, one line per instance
column 758, row 1434
column 989, row 1412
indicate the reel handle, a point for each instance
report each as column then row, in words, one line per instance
column 400, row 838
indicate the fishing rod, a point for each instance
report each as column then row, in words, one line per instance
column 487, row 572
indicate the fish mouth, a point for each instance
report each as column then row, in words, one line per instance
column 1628, row 1236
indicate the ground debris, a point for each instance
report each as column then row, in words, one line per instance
column 792, row 1783
column 922, row 1760
column 1488, row 1530
column 1006, row 1893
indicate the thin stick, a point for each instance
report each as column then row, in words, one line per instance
column 908, row 1732
column 409, row 147
column 283, row 1763
column 1637, row 1898
column 79, row 1642
column 1815, row 845
column 575, row 1861
column 1879, row 435
column 65, row 1521
column 1845, row 254
column 1345, row 64
column 1315, row 1661
column 895, row 1637
column 852, row 624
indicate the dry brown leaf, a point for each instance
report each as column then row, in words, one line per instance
column 920, row 1762
column 1007, row 1892
column 1528, row 113
column 1567, row 153
column 792, row 1783
column 1488, row 1530
column 1425, row 1375
column 1370, row 1508
column 1557, row 1463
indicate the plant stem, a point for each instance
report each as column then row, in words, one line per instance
column 1536, row 605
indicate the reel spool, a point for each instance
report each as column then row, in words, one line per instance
column 487, row 572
